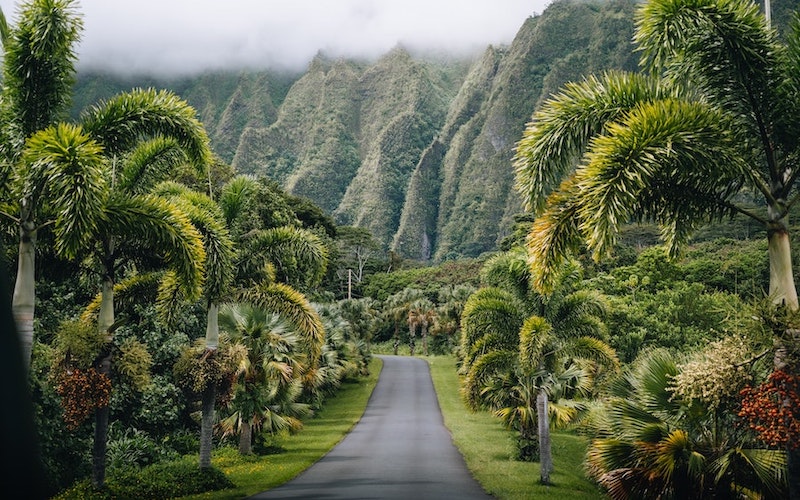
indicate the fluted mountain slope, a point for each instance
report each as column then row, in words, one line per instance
column 416, row 149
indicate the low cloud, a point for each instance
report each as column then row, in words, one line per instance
column 186, row 36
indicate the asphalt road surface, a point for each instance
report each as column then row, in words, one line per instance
column 400, row 449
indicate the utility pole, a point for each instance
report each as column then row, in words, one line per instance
column 349, row 284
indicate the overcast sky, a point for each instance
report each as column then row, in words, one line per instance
column 190, row 35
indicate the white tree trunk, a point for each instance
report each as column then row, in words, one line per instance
column 545, row 456
column 24, row 298
column 212, row 326
column 105, row 317
column 209, row 395
column 781, row 277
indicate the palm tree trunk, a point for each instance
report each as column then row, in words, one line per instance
column 24, row 299
column 782, row 289
column 209, row 395
column 101, row 415
column 104, row 321
column 411, row 334
column 424, row 335
column 207, row 426
column 212, row 326
column 781, row 278
column 245, row 439
column 545, row 456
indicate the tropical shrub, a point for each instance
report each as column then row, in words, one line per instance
column 665, row 436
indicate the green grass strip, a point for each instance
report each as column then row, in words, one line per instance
column 319, row 435
column 487, row 448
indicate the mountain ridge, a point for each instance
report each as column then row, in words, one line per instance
column 417, row 150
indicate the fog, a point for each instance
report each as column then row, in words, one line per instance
column 187, row 36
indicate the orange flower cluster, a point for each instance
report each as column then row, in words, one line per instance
column 82, row 392
column 773, row 410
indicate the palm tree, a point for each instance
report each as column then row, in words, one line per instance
column 362, row 316
column 38, row 72
column 396, row 307
column 421, row 314
column 515, row 366
column 269, row 379
column 451, row 301
column 207, row 217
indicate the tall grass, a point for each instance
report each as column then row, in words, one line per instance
column 487, row 448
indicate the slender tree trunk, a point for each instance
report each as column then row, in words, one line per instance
column 396, row 338
column 207, row 426
column 246, row 439
column 101, row 416
column 104, row 321
column 411, row 335
column 781, row 277
column 212, row 326
column 782, row 289
column 545, row 456
column 24, row 298
column 209, row 395
column 424, row 335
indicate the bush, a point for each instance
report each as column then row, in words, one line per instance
column 165, row 480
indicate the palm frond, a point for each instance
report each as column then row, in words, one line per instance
column 723, row 46
column 534, row 337
column 120, row 123
column 235, row 195
column 287, row 247
column 674, row 146
column 161, row 227
column 554, row 236
column 206, row 216
column 293, row 305
column 490, row 310
column 767, row 466
column 64, row 169
column 40, row 55
column 149, row 163
column 561, row 129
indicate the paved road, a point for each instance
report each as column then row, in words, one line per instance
column 399, row 450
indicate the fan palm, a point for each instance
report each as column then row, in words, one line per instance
column 657, row 445
column 396, row 307
column 269, row 379
column 421, row 314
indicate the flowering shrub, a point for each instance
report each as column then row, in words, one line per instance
column 715, row 375
column 773, row 410
column 82, row 391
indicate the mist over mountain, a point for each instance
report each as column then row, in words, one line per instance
column 415, row 148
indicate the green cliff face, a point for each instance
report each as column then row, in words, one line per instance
column 415, row 149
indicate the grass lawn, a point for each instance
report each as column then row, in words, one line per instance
column 487, row 448
column 318, row 436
